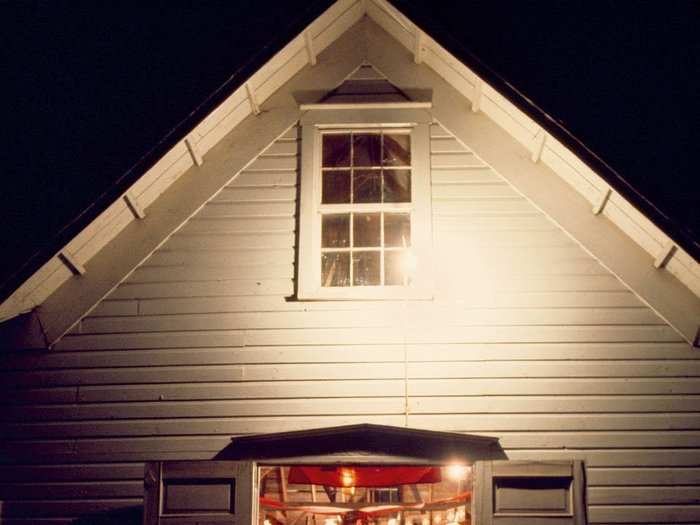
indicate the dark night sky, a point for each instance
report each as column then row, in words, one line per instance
column 90, row 87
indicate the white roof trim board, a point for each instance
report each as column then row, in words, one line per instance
column 204, row 144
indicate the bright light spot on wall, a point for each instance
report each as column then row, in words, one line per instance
column 409, row 265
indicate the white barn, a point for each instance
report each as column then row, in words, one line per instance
column 364, row 232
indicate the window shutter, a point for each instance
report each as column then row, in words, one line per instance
column 189, row 492
column 529, row 492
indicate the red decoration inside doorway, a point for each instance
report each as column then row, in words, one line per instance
column 363, row 476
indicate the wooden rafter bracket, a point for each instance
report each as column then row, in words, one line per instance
column 69, row 260
column 539, row 141
column 419, row 48
column 254, row 106
column 600, row 205
column 665, row 255
column 477, row 94
column 134, row 205
column 310, row 51
column 194, row 151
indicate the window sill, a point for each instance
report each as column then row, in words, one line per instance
column 368, row 293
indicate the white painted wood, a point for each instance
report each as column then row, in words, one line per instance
column 134, row 206
column 365, row 105
column 72, row 263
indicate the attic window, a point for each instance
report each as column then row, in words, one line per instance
column 364, row 218
column 365, row 208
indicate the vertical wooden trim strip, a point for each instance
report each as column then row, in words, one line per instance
column 579, row 491
column 310, row 51
column 255, row 108
column 483, row 494
column 134, row 205
column 665, row 255
column 600, row 206
column 71, row 263
column 151, row 493
column 194, row 151
column 307, row 273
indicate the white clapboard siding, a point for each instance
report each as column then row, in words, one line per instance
column 484, row 386
column 497, row 423
column 527, row 339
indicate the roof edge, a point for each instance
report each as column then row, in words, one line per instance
column 57, row 244
column 683, row 237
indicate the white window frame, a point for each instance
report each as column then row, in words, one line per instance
column 313, row 123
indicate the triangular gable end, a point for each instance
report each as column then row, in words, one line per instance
column 222, row 280
column 463, row 103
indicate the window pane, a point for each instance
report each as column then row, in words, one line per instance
column 336, row 150
column 393, row 268
column 335, row 269
column 397, row 230
column 335, row 231
column 397, row 150
column 397, row 186
column 367, row 149
column 365, row 268
column 367, row 186
column 366, row 228
column 336, row 187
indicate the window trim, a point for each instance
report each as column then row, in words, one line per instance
column 313, row 122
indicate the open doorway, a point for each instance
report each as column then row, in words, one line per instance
column 364, row 494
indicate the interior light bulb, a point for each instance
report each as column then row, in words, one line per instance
column 457, row 472
column 347, row 477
